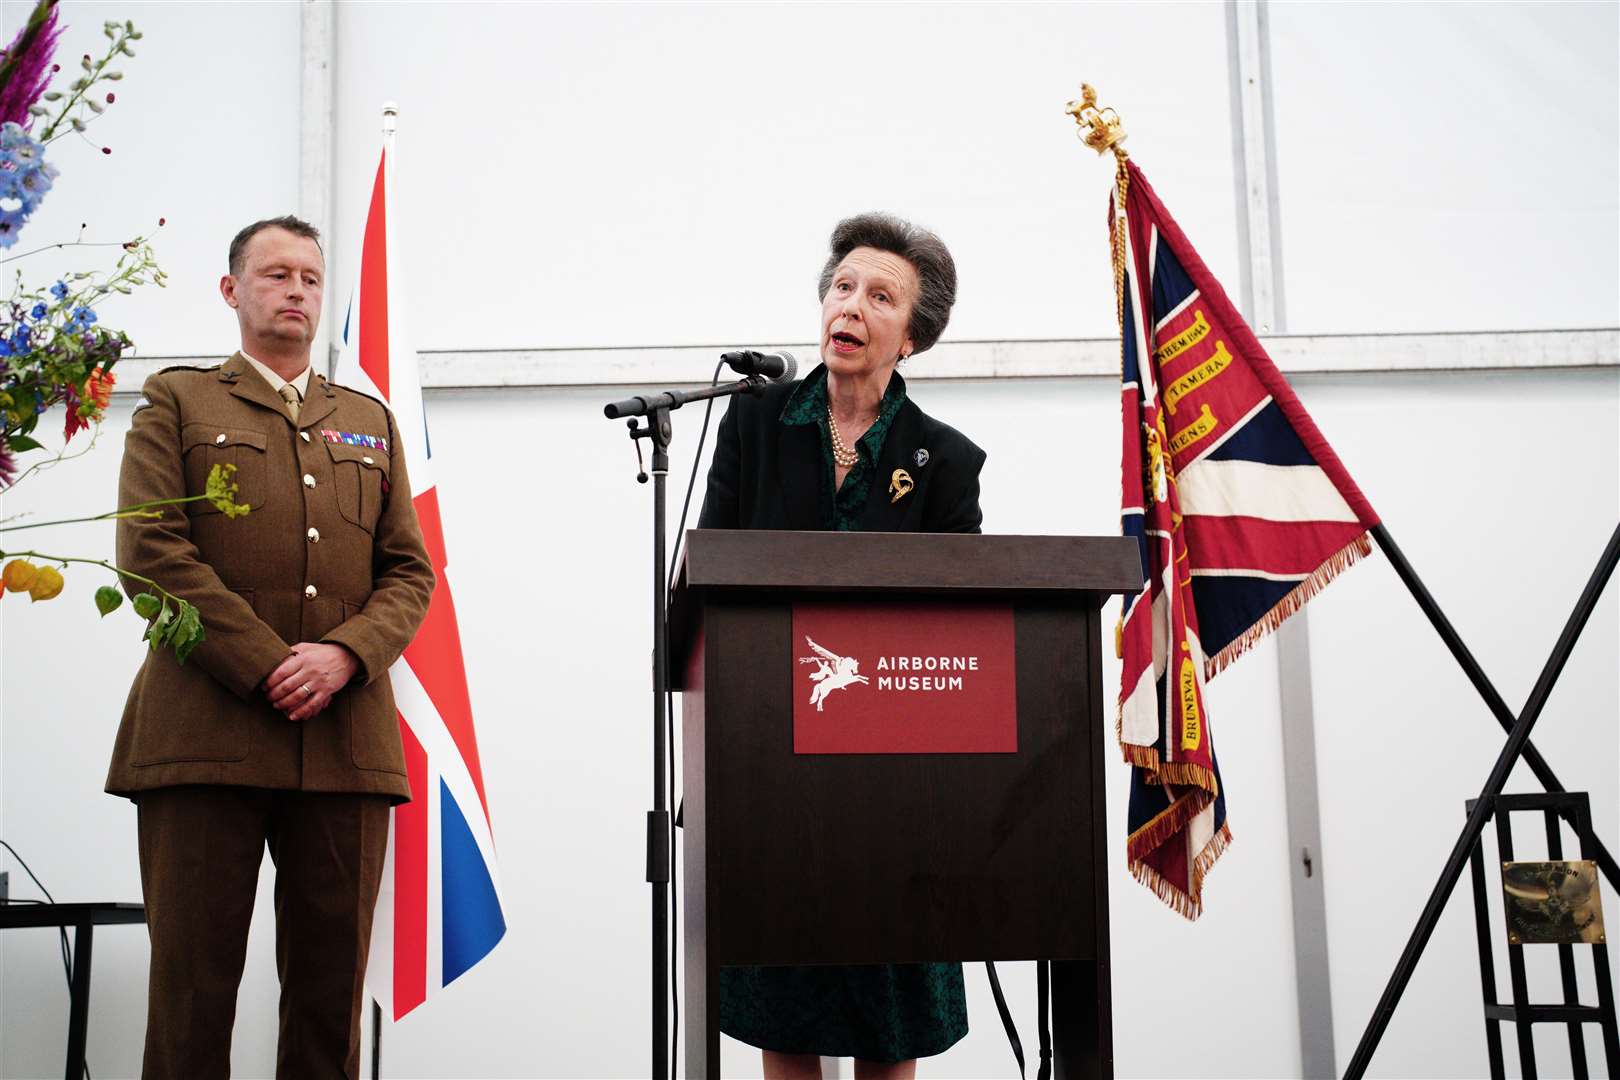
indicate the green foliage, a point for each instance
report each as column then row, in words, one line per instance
column 78, row 108
column 108, row 598
column 179, row 627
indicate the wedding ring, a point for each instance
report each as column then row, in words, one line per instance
column 308, row 693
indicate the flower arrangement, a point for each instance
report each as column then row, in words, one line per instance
column 53, row 349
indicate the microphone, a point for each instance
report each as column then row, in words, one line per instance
column 775, row 366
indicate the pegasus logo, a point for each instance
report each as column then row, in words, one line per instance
column 833, row 672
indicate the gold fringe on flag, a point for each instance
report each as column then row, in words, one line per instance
column 1171, row 820
column 1340, row 561
column 1178, row 773
column 1190, row 904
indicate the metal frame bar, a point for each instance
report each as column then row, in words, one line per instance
column 1097, row 358
column 317, row 77
column 1575, row 808
column 1487, row 958
column 1517, row 976
column 1566, row 960
column 1505, row 761
column 1476, row 675
column 1254, row 162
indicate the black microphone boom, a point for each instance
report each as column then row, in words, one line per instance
column 775, row 366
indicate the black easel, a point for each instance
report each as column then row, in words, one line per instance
column 1493, row 700
column 1517, row 746
column 658, row 430
column 1575, row 809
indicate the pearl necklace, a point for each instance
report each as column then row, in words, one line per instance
column 843, row 456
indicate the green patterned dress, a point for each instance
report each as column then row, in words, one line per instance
column 880, row 1012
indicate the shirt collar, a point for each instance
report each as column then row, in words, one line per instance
column 299, row 382
column 808, row 402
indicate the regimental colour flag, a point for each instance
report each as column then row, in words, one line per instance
column 439, row 911
column 1242, row 512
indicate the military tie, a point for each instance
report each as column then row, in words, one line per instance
column 289, row 393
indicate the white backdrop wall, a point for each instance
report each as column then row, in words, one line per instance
column 639, row 175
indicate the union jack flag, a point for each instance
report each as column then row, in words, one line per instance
column 1242, row 512
column 439, row 910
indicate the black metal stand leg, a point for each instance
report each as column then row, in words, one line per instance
column 1476, row 675
column 1487, row 961
column 79, row 1009
column 1611, row 1031
column 1566, row 963
column 1522, row 1026
column 1600, row 958
column 659, row 432
column 376, row 1040
column 1476, row 820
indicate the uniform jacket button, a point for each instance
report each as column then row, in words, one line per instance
column 219, row 440
column 368, row 461
column 310, row 592
column 314, row 536
column 309, row 481
column 304, row 435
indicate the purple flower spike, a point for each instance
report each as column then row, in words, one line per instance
column 8, row 465
column 26, row 70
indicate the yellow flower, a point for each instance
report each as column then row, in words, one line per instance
column 221, row 491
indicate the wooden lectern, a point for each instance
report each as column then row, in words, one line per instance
column 895, row 857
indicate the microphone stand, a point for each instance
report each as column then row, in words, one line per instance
column 658, row 430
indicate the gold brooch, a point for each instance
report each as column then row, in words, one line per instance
column 900, row 485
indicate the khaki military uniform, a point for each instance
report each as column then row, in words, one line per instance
column 331, row 552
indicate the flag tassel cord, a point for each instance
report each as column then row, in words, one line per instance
column 1518, row 742
column 1476, row 675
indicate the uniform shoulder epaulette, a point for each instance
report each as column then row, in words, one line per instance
column 356, row 393
column 187, row 367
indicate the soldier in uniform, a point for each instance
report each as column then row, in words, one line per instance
column 279, row 730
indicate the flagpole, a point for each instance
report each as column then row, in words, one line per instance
column 390, row 125
column 1476, row 675
column 1517, row 742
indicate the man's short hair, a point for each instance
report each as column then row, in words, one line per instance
column 927, row 254
column 296, row 226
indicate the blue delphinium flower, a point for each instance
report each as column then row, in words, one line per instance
column 20, row 339
column 11, row 223
column 38, row 312
column 5, row 347
column 59, row 290
column 33, row 183
column 25, row 176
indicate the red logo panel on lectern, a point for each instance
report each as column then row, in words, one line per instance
column 913, row 678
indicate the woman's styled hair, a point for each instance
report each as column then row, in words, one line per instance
column 927, row 254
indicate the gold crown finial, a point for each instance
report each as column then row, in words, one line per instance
column 1100, row 129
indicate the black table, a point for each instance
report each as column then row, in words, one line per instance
column 84, row 918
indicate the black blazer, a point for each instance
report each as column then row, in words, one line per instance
column 768, row 475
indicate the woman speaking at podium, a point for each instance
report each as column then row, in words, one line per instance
column 845, row 448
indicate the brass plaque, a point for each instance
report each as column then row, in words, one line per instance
column 1552, row 903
